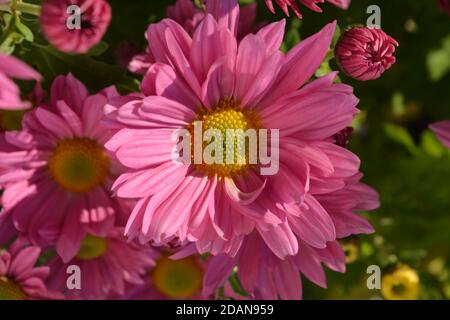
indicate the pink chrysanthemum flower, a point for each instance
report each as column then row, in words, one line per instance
column 19, row 278
column 185, row 13
column 265, row 276
column 57, row 172
column 230, row 85
column 11, row 67
column 311, row 4
column 442, row 130
column 106, row 264
column 65, row 32
column 365, row 53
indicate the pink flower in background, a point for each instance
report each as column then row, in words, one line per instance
column 365, row 53
column 107, row 264
column 94, row 21
column 57, row 173
column 185, row 13
column 445, row 6
column 11, row 67
column 311, row 4
column 250, row 84
column 442, row 130
column 20, row 279
column 265, row 276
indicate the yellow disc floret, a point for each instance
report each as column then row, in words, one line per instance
column 78, row 164
column 178, row 279
column 92, row 248
column 10, row 290
column 232, row 122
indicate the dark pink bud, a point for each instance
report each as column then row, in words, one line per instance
column 365, row 53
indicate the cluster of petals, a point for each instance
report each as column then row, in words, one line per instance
column 311, row 4
column 11, row 67
column 20, row 278
column 442, row 131
column 263, row 275
column 186, row 14
column 122, row 264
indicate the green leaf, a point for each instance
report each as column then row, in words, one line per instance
column 438, row 64
column 401, row 136
column 98, row 49
column 236, row 285
column 431, row 145
column 93, row 73
column 24, row 30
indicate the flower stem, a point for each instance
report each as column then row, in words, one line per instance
column 24, row 7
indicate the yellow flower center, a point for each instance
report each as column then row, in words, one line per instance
column 78, row 164
column 178, row 279
column 402, row 284
column 231, row 122
column 92, row 248
column 9, row 290
column 11, row 119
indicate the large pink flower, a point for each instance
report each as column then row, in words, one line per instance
column 20, row 279
column 59, row 25
column 265, row 276
column 11, row 67
column 311, row 4
column 185, row 13
column 106, row 264
column 251, row 84
column 58, row 174
column 442, row 130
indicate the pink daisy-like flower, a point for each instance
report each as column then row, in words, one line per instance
column 11, row 67
column 311, row 4
column 265, row 276
column 19, row 278
column 365, row 53
column 229, row 85
column 185, row 13
column 106, row 264
column 442, row 130
column 57, row 172
column 70, row 33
